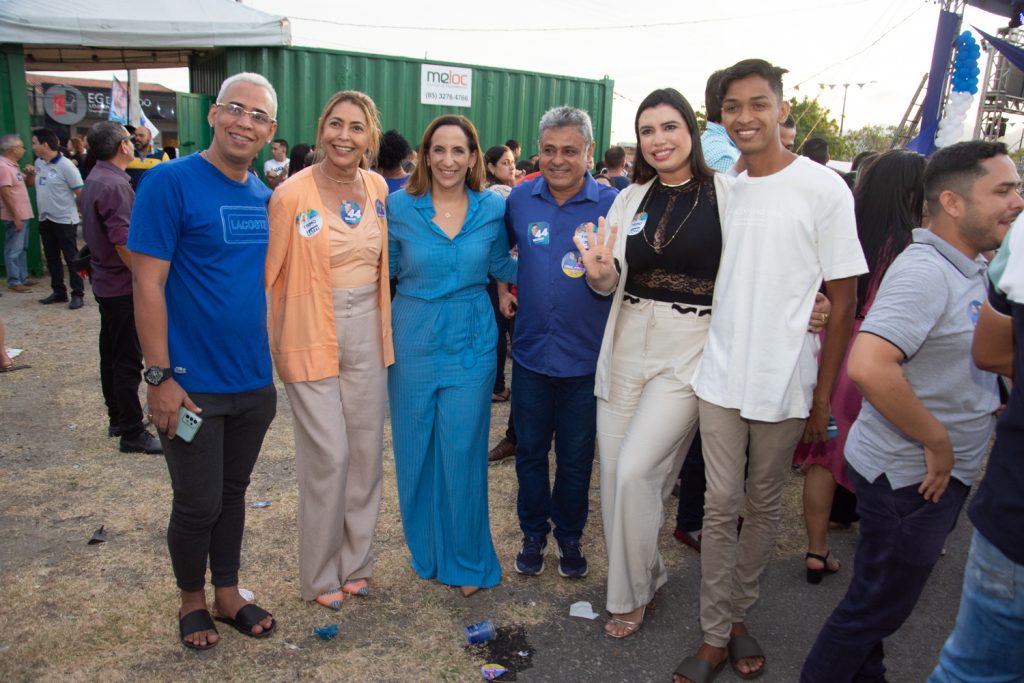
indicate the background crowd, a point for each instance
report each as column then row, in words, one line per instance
column 688, row 313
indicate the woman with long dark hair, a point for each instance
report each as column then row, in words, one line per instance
column 658, row 252
column 665, row 232
column 299, row 158
column 501, row 169
column 888, row 203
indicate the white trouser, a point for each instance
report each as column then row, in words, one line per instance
column 643, row 432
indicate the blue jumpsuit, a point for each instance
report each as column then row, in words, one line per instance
column 440, row 386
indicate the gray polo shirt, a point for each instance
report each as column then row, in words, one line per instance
column 56, row 181
column 927, row 306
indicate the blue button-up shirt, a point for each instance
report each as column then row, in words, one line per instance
column 560, row 320
column 720, row 152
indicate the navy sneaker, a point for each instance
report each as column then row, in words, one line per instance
column 571, row 562
column 530, row 560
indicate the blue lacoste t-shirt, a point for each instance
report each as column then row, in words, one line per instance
column 214, row 232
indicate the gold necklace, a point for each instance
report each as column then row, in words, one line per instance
column 447, row 214
column 342, row 181
column 658, row 248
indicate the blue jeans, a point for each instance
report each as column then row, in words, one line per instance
column 901, row 537
column 16, row 253
column 987, row 643
column 563, row 408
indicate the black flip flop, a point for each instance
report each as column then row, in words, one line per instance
column 193, row 622
column 743, row 647
column 698, row 670
column 247, row 617
column 12, row 367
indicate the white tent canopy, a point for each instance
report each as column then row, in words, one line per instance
column 108, row 34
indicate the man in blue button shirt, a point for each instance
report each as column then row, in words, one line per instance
column 557, row 338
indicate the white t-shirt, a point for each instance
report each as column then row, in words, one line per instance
column 274, row 166
column 782, row 235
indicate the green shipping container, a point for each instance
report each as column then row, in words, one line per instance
column 503, row 103
column 14, row 119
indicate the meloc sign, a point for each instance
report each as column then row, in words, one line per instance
column 450, row 86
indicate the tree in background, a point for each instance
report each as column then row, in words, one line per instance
column 815, row 121
column 871, row 138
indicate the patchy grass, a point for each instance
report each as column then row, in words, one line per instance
column 74, row 612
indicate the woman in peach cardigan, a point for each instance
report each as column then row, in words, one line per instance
column 330, row 337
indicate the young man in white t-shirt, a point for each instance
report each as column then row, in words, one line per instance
column 275, row 169
column 789, row 224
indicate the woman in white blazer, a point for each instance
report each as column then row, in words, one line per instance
column 658, row 251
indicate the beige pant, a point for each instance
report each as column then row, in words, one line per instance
column 643, row 432
column 339, row 427
column 730, row 567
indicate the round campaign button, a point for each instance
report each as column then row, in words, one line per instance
column 586, row 231
column 639, row 221
column 308, row 223
column 351, row 212
column 572, row 265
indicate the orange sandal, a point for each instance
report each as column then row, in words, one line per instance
column 331, row 600
column 358, row 587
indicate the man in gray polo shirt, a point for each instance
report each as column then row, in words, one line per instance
column 58, row 184
column 927, row 418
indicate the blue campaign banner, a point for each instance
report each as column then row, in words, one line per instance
column 945, row 38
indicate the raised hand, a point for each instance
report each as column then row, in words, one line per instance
column 596, row 253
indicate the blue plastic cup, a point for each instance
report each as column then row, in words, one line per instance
column 480, row 632
column 833, row 428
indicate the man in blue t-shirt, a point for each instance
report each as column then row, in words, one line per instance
column 987, row 643
column 198, row 238
column 558, row 332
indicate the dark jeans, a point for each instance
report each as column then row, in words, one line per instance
column 563, row 407
column 120, row 363
column 510, row 430
column 901, row 538
column 61, row 239
column 504, row 332
column 209, row 477
column 690, row 514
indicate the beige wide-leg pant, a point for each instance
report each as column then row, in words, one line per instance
column 643, row 432
column 339, row 440
column 729, row 567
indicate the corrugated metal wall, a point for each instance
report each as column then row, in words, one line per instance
column 194, row 132
column 505, row 104
column 14, row 118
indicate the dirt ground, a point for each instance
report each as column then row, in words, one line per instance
column 78, row 612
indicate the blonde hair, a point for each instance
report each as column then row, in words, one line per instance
column 419, row 181
column 363, row 101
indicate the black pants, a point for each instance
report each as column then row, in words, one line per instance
column 209, row 477
column 690, row 514
column 120, row 363
column 504, row 326
column 61, row 239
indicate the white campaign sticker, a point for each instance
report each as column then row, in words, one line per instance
column 309, row 223
column 639, row 221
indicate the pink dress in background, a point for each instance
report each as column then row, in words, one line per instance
column 845, row 407
column 846, row 402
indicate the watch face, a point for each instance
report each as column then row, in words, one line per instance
column 154, row 375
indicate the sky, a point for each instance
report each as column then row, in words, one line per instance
column 885, row 45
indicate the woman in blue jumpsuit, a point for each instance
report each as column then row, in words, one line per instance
column 446, row 234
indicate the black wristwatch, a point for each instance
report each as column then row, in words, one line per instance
column 155, row 375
